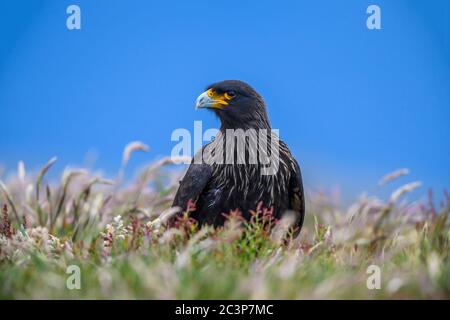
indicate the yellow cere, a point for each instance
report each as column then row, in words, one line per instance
column 219, row 99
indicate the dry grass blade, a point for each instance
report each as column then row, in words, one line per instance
column 403, row 190
column 127, row 152
column 85, row 193
column 21, row 172
column 164, row 217
column 132, row 147
column 393, row 175
column 48, row 193
column 281, row 229
column 184, row 258
column 67, row 178
column 151, row 169
column 10, row 201
column 95, row 181
column 42, row 174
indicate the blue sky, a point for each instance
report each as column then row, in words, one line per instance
column 353, row 104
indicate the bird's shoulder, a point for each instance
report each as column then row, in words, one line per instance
column 193, row 183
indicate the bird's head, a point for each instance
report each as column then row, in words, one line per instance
column 237, row 105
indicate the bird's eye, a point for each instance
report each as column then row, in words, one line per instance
column 230, row 95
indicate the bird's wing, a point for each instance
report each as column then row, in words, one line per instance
column 192, row 185
column 296, row 194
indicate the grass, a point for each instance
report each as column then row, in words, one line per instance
column 116, row 234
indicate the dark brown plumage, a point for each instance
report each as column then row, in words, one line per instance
column 217, row 188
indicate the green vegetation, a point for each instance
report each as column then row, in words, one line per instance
column 118, row 237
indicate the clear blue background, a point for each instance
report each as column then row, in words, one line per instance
column 352, row 104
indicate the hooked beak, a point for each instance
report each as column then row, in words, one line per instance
column 210, row 100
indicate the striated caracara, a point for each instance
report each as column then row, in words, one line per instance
column 226, row 175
